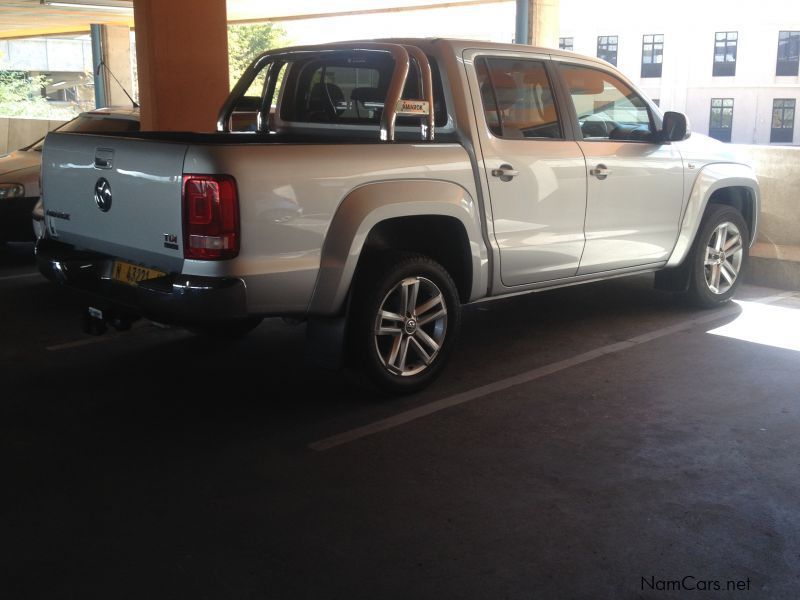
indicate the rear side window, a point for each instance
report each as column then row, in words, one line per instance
column 606, row 106
column 517, row 98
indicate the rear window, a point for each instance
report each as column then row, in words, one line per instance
column 352, row 90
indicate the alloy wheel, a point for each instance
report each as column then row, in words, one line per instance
column 723, row 258
column 410, row 326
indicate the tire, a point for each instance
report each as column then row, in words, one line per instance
column 406, row 349
column 719, row 256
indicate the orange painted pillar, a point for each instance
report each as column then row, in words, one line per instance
column 182, row 59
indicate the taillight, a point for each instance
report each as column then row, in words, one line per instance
column 210, row 217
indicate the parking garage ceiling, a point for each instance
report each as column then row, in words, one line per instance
column 27, row 18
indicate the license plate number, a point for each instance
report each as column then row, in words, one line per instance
column 130, row 274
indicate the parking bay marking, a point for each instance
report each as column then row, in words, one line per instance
column 79, row 343
column 526, row 377
column 22, row 276
column 108, row 337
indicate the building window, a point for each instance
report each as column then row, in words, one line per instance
column 652, row 55
column 607, row 48
column 657, row 102
column 565, row 43
column 788, row 53
column 721, row 121
column 782, row 121
column 725, row 44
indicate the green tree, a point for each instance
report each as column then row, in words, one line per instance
column 245, row 42
column 21, row 94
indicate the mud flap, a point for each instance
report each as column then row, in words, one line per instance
column 675, row 279
column 326, row 342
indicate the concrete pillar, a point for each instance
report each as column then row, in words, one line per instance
column 117, row 50
column 545, row 22
column 182, row 57
column 522, row 35
column 111, row 44
column 97, row 67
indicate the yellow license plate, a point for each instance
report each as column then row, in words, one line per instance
column 132, row 274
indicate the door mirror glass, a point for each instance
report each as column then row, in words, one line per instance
column 675, row 127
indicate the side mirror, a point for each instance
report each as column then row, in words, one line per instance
column 675, row 127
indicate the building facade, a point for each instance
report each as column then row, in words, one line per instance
column 65, row 63
column 732, row 68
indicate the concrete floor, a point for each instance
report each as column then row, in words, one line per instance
column 634, row 451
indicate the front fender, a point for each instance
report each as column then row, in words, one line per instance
column 711, row 178
column 368, row 205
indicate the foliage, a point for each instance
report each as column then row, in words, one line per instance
column 246, row 42
column 19, row 93
column 21, row 96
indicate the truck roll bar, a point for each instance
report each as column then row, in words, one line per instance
column 393, row 104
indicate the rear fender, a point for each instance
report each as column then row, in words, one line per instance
column 370, row 204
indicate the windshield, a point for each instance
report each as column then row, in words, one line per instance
column 91, row 124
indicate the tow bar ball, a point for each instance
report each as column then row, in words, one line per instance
column 96, row 321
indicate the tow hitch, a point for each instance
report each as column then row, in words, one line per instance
column 96, row 321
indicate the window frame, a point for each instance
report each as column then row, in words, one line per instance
column 562, row 42
column 789, row 66
column 605, row 46
column 565, row 123
column 725, row 67
column 725, row 131
column 779, row 135
column 652, row 69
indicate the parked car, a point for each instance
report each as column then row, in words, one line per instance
column 394, row 181
column 19, row 172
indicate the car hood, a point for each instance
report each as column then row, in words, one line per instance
column 22, row 167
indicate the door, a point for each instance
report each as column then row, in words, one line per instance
column 536, row 176
column 635, row 186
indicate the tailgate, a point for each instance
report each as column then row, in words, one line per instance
column 117, row 196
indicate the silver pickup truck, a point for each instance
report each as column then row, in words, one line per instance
column 372, row 188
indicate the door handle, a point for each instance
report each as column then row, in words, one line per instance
column 601, row 172
column 505, row 172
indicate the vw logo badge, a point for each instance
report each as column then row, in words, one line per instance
column 102, row 194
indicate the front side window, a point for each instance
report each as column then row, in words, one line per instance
column 652, row 55
column 517, row 98
column 607, row 48
column 788, row 53
column 566, row 43
column 721, row 119
column 725, row 46
column 607, row 107
column 782, row 120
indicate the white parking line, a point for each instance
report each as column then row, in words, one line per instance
column 79, row 343
column 526, row 377
column 23, row 276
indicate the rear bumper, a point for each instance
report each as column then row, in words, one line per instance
column 174, row 298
